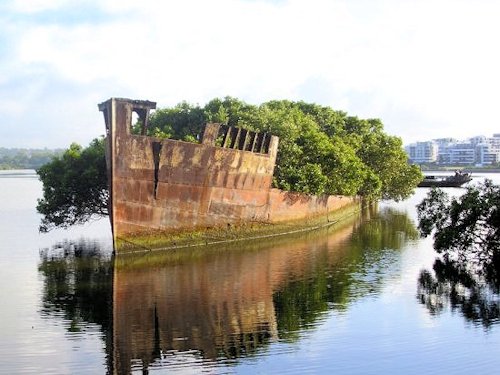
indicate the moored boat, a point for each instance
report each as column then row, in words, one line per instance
column 457, row 180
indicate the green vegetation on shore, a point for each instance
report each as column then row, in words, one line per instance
column 466, row 229
column 26, row 158
column 75, row 187
column 470, row 168
column 321, row 151
column 466, row 232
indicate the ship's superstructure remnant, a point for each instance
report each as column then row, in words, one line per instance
column 173, row 186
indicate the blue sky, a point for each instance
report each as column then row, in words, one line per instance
column 426, row 68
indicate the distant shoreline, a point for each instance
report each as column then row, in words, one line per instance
column 496, row 170
column 17, row 169
column 466, row 169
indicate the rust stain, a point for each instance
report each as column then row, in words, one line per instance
column 170, row 185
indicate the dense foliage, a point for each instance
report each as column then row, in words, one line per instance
column 467, row 234
column 467, row 227
column 321, row 151
column 74, row 187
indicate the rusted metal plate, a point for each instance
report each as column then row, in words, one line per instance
column 166, row 184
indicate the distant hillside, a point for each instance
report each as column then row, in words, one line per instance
column 26, row 158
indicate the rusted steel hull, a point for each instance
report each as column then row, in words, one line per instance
column 168, row 186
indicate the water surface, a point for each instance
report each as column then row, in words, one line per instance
column 341, row 300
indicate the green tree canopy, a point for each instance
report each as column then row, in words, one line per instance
column 75, row 187
column 466, row 228
column 467, row 233
column 321, row 151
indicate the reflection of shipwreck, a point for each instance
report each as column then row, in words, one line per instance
column 169, row 186
column 199, row 308
column 220, row 305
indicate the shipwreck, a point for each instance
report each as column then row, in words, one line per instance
column 164, row 188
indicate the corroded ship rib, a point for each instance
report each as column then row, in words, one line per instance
column 168, row 186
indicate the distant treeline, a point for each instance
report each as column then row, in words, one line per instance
column 26, row 158
column 495, row 168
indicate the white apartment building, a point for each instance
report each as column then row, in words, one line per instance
column 422, row 152
column 479, row 151
column 486, row 155
column 444, row 145
column 462, row 153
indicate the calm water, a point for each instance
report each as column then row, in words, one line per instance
column 344, row 300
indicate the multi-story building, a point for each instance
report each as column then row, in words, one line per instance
column 486, row 155
column 479, row 150
column 423, row 152
column 462, row 153
column 444, row 144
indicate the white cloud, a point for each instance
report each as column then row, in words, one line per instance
column 425, row 68
column 34, row 6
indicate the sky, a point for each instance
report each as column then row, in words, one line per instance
column 426, row 68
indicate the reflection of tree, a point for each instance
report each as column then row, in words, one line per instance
column 466, row 231
column 78, row 281
column 390, row 229
column 78, row 284
column 461, row 289
column 336, row 283
column 220, row 303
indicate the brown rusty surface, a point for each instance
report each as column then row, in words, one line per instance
column 226, row 298
column 195, row 185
